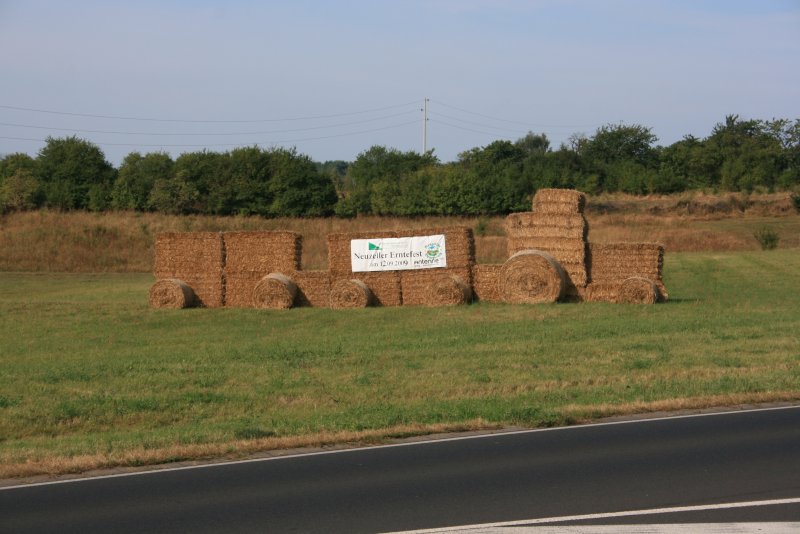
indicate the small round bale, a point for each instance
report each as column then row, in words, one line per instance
column 171, row 293
column 449, row 290
column 275, row 291
column 532, row 277
column 637, row 290
column 350, row 294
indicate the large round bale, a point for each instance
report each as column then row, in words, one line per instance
column 275, row 291
column 637, row 290
column 171, row 293
column 449, row 290
column 350, row 294
column 532, row 277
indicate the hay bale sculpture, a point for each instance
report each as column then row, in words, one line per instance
column 550, row 260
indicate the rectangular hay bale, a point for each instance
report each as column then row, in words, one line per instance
column 485, row 285
column 195, row 258
column 313, row 288
column 418, row 285
column 618, row 261
column 250, row 256
column 556, row 201
column 262, row 252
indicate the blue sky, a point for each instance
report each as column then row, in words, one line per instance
column 336, row 77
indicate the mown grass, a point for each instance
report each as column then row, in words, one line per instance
column 91, row 377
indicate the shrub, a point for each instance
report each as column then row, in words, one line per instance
column 796, row 201
column 481, row 226
column 767, row 238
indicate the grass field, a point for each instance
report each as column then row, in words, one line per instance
column 92, row 377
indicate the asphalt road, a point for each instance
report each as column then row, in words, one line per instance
column 577, row 471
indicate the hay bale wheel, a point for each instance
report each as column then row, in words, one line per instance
column 350, row 294
column 171, row 293
column 637, row 290
column 449, row 290
column 275, row 291
column 532, row 277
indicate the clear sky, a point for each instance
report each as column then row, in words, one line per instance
column 333, row 78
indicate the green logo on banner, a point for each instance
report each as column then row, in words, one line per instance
column 373, row 246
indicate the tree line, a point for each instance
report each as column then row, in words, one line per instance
column 73, row 174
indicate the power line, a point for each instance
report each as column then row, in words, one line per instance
column 229, row 144
column 450, row 117
column 266, row 132
column 527, row 124
column 207, row 121
column 470, row 129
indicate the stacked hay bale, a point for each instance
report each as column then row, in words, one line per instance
column 251, row 256
column 195, row 259
column 451, row 285
column 384, row 286
column 556, row 226
column 626, row 272
column 313, row 288
column 485, row 285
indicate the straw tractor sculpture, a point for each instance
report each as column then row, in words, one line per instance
column 550, row 260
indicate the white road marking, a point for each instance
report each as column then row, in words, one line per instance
column 688, row 528
column 482, row 528
column 393, row 445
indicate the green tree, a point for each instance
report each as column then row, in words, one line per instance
column 534, row 144
column 378, row 164
column 241, row 185
column 69, row 168
column 685, row 164
column 206, row 171
column 176, row 195
column 296, row 187
column 560, row 168
column 11, row 163
column 20, row 191
column 747, row 154
column 616, row 152
column 136, row 178
column 336, row 171
column 613, row 143
column 493, row 181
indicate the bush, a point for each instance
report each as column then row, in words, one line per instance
column 767, row 238
column 796, row 201
column 481, row 226
column 20, row 192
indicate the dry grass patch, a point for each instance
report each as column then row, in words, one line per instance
column 124, row 242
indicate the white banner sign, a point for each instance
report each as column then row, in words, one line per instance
column 398, row 253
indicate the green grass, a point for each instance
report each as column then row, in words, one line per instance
column 89, row 371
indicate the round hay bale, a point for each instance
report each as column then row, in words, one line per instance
column 531, row 277
column 171, row 293
column 637, row 290
column 449, row 290
column 350, row 294
column 275, row 291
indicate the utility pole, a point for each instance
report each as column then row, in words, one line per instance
column 425, row 126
